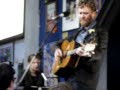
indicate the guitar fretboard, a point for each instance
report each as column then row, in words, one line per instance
column 71, row 52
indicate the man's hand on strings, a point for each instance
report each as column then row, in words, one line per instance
column 87, row 50
column 89, row 47
column 80, row 52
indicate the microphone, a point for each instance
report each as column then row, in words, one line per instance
column 64, row 14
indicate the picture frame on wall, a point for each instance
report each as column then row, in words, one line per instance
column 51, row 12
column 72, row 21
column 6, row 53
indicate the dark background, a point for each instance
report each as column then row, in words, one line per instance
column 112, row 21
column 109, row 17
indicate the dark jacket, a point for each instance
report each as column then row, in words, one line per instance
column 30, row 80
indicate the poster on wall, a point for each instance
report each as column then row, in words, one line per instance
column 72, row 21
column 51, row 12
column 6, row 53
column 48, row 62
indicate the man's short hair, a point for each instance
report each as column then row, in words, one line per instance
column 89, row 3
column 6, row 75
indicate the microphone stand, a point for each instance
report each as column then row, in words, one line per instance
column 46, row 38
column 39, row 52
column 41, row 48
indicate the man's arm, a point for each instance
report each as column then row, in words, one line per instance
column 93, row 63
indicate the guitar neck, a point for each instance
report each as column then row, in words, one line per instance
column 71, row 52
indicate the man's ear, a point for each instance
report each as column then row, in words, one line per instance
column 94, row 14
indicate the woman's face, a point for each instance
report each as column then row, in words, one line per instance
column 35, row 65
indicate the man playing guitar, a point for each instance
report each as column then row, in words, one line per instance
column 87, row 51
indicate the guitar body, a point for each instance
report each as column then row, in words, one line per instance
column 66, row 65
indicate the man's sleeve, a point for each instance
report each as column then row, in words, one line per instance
column 94, row 62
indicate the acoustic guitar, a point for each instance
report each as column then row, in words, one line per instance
column 66, row 65
column 69, row 61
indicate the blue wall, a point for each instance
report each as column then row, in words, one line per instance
column 54, row 36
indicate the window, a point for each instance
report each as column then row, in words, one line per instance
column 11, row 20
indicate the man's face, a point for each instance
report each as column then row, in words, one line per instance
column 35, row 65
column 85, row 15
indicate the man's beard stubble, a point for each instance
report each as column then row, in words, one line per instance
column 84, row 23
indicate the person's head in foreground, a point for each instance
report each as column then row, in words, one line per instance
column 6, row 77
